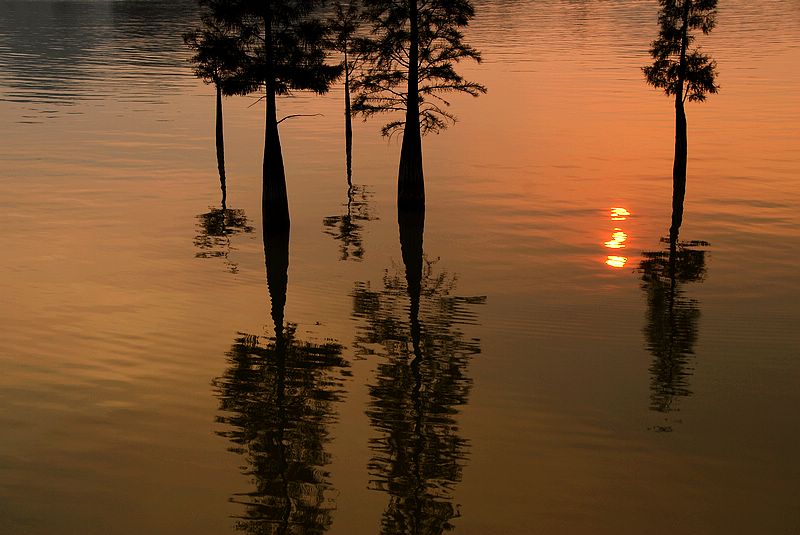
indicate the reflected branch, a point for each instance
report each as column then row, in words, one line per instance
column 348, row 227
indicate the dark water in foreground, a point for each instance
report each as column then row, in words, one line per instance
column 539, row 367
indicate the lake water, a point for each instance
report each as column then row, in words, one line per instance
column 557, row 379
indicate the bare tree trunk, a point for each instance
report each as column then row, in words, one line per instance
column 348, row 122
column 681, row 142
column 274, row 201
column 679, row 171
column 221, row 149
column 410, row 180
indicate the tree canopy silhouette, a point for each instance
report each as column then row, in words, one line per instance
column 686, row 74
column 216, row 62
column 411, row 56
column 278, row 47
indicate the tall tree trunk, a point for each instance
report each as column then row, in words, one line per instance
column 221, row 149
column 274, row 201
column 410, row 180
column 681, row 142
column 348, row 121
column 679, row 171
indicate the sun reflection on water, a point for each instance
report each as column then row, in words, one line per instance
column 618, row 239
column 619, row 214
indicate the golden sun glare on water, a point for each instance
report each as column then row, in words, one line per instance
column 618, row 239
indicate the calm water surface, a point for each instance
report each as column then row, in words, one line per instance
column 547, row 377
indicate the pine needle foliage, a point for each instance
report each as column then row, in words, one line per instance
column 277, row 43
column 216, row 59
column 383, row 85
column 681, row 71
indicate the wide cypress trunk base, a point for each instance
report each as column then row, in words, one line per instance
column 276, row 258
column 274, row 201
column 410, row 177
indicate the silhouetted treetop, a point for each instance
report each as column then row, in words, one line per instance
column 677, row 69
column 436, row 40
column 216, row 56
column 280, row 43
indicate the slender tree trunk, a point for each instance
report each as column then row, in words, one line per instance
column 410, row 181
column 681, row 142
column 274, row 202
column 679, row 171
column 348, row 121
column 221, row 149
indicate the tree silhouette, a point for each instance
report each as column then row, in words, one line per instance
column 683, row 73
column 216, row 62
column 418, row 455
column 411, row 56
column 344, row 28
column 277, row 399
column 279, row 46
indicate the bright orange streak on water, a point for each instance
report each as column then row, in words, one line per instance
column 617, row 261
column 619, row 214
column 617, row 239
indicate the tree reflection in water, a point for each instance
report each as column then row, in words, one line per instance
column 672, row 320
column 347, row 228
column 418, row 455
column 277, row 399
column 215, row 229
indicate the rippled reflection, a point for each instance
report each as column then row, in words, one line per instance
column 618, row 239
column 414, row 325
column 672, row 320
column 277, row 399
column 215, row 230
column 348, row 227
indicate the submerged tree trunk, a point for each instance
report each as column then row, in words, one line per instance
column 348, row 122
column 274, row 201
column 410, row 180
column 221, row 149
